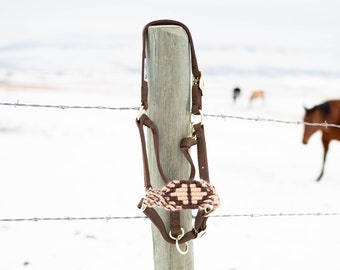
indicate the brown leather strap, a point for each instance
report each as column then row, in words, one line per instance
column 196, row 90
column 202, row 152
column 186, row 144
column 199, row 227
column 144, row 120
column 196, row 93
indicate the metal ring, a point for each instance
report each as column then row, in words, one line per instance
column 179, row 237
column 209, row 211
column 179, row 249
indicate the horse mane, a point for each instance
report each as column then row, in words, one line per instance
column 324, row 108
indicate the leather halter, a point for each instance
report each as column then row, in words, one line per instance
column 176, row 234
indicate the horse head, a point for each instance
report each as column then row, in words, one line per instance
column 312, row 115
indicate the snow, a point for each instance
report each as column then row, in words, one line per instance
column 87, row 162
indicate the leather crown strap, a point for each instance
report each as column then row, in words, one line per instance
column 197, row 83
column 177, row 194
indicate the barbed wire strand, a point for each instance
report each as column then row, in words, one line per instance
column 108, row 218
column 222, row 116
column 275, row 215
column 258, row 119
column 63, row 107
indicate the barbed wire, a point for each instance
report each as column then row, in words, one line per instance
column 318, row 214
column 108, row 218
column 258, row 119
column 63, row 107
column 206, row 115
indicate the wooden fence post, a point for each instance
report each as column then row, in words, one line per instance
column 168, row 67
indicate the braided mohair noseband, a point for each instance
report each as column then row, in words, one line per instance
column 182, row 195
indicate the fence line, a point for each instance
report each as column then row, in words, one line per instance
column 108, row 218
column 35, row 219
column 258, row 119
column 222, row 116
column 63, row 107
column 319, row 214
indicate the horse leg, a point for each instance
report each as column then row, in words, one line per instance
column 323, row 167
column 325, row 143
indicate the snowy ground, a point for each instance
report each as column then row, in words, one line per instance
column 60, row 163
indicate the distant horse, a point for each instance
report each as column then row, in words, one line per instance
column 236, row 93
column 256, row 95
column 328, row 112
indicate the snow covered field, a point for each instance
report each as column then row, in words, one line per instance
column 87, row 163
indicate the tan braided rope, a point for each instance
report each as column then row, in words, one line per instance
column 183, row 194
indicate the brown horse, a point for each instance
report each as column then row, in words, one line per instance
column 327, row 112
column 257, row 94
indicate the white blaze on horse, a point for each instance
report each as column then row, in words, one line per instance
column 327, row 112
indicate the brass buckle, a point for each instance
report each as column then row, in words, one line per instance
column 199, row 234
column 194, row 121
column 141, row 112
column 144, row 206
column 208, row 211
column 199, row 80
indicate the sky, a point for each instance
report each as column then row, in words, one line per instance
column 247, row 37
column 35, row 20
